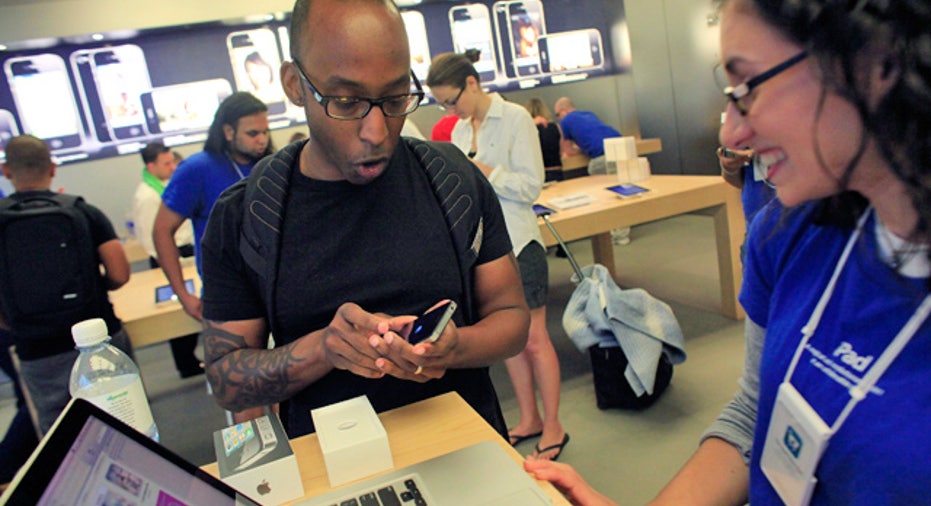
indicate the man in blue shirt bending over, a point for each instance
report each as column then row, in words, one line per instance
column 585, row 130
column 582, row 131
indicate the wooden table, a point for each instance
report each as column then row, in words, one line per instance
column 147, row 322
column 134, row 250
column 669, row 196
column 416, row 432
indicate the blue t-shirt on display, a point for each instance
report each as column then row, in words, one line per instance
column 195, row 186
column 586, row 130
column 880, row 454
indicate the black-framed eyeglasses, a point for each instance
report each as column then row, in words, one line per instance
column 740, row 93
column 349, row 108
column 452, row 102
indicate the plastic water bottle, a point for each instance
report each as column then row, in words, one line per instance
column 108, row 378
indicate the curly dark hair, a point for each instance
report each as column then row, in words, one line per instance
column 840, row 34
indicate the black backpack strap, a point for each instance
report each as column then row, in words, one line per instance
column 63, row 199
column 263, row 212
column 455, row 190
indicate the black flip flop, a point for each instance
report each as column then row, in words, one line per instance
column 559, row 447
column 515, row 440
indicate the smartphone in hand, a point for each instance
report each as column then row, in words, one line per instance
column 429, row 326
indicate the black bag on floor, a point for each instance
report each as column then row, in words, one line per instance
column 611, row 387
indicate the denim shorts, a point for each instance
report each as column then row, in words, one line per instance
column 534, row 274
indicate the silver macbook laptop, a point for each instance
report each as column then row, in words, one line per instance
column 90, row 458
column 479, row 475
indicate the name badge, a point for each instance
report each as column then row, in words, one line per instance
column 795, row 441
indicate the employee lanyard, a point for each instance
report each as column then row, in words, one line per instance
column 858, row 392
column 235, row 166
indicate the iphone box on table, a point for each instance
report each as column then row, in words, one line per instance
column 255, row 458
column 353, row 440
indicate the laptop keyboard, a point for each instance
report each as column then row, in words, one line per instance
column 405, row 491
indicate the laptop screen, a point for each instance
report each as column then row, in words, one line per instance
column 90, row 458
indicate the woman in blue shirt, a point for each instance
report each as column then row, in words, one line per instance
column 833, row 408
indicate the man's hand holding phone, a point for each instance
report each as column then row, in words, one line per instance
column 352, row 341
column 425, row 343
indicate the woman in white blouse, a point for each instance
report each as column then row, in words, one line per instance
column 501, row 139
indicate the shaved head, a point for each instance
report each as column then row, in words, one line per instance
column 28, row 162
column 300, row 40
column 347, row 48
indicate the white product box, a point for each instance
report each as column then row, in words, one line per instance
column 642, row 170
column 621, row 158
column 256, row 459
column 627, row 170
column 620, row 148
column 353, row 440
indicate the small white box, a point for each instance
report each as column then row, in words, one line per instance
column 642, row 170
column 256, row 459
column 627, row 148
column 353, row 440
column 626, row 170
column 620, row 148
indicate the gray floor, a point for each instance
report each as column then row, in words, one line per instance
column 626, row 455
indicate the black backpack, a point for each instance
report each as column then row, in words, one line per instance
column 49, row 267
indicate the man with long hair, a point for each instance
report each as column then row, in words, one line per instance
column 237, row 139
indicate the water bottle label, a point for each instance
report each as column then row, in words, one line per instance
column 129, row 404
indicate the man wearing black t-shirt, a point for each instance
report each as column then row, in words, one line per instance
column 365, row 244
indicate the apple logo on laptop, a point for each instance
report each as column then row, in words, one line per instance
column 263, row 488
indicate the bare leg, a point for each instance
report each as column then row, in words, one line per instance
column 547, row 378
column 537, row 363
column 520, row 369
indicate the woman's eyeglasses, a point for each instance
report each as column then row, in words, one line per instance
column 740, row 94
column 452, row 102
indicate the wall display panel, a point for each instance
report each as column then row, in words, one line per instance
column 530, row 43
column 104, row 99
column 100, row 100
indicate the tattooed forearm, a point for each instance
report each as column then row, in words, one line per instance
column 244, row 377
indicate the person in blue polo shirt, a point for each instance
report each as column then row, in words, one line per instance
column 237, row 139
column 585, row 130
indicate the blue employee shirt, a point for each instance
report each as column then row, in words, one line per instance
column 195, row 186
column 586, row 130
column 880, row 454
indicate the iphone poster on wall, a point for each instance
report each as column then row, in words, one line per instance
column 523, row 44
column 110, row 98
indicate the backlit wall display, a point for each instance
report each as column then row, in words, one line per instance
column 107, row 99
